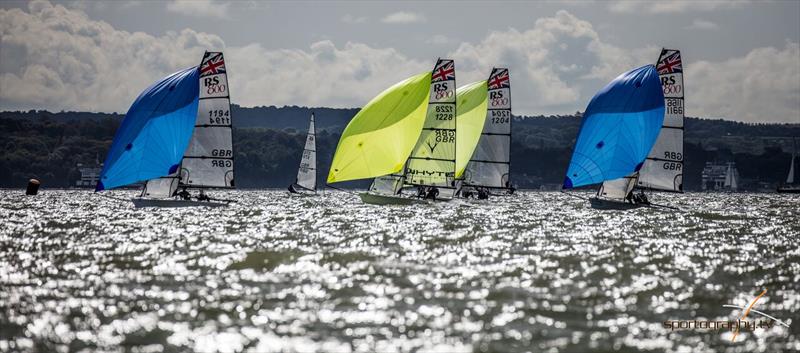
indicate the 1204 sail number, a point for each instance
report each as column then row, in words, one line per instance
column 500, row 116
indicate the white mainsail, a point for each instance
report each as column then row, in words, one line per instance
column 433, row 159
column 307, row 173
column 663, row 168
column 730, row 178
column 790, row 177
column 490, row 164
column 208, row 161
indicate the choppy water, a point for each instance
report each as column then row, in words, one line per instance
column 532, row 272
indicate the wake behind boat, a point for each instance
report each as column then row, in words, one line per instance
column 176, row 136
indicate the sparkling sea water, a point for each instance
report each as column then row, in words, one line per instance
column 536, row 271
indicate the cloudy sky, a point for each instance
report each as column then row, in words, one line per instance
column 741, row 59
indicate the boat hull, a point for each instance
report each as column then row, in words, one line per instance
column 789, row 190
column 376, row 199
column 142, row 202
column 603, row 204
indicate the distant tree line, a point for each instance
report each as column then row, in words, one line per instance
column 268, row 142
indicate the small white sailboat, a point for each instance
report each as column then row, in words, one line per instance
column 176, row 137
column 663, row 168
column 306, row 182
column 790, row 187
column 731, row 178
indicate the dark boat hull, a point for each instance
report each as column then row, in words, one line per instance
column 377, row 199
column 142, row 202
column 604, row 204
column 789, row 190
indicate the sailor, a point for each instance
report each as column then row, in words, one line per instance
column 203, row 196
column 643, row 198
column 421, row 192
column 432, row 193
column 631, row 198
column 184, row 194
column 483, row 194
column 292, row 190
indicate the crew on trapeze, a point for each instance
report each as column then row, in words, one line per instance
column 428, row 192
column 639, row 198
column 184, row 194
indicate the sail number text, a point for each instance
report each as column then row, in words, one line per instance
column 222, row 163
column 444, row 112
column 672, row 156
column 219, row 117
column 675, row 106
column 500, row 116
column 446, row 136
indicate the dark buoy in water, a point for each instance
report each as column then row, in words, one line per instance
column 33, row 187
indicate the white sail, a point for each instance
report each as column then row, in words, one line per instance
column 390, row 184
column 790, row 177
column 161, row 188
column 730, row 178
column 617, row 189
column 663, row 168
column 208, row 161
column 490, row 165
column 307, row 173
column 433, row 159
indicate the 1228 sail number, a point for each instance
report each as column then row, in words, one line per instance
column 444, row 112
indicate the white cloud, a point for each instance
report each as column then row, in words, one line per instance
column 199, row 8
column 764, row 85
column 350, row 19
column 701, row 24
column 672, row 6
column 57, row 58
column 403, row 17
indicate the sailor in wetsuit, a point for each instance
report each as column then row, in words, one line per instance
column 292, row 190
column 184, row 194
column 483, row 194
column 203, row 196
column 432, row 193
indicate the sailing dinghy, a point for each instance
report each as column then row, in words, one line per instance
column 404, row 137
column 790, row 187
column 176, row 136
column 663, row 168
column 489, row 168
column 619, row 128
column 306, row 180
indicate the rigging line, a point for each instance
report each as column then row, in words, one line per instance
column 573, row 195
column 340, row 189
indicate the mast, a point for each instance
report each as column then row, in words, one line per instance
column 490, row 165
column 208, row 161
column 307, row 172
column 433, row 160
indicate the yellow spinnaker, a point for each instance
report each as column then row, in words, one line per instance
column 379, row 139
column 472, row 101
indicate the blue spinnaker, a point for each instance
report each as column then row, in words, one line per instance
column 619, row 128
column 152, row 138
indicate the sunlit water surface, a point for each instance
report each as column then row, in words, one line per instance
column 538, row 271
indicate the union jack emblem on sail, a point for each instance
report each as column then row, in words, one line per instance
column 214, row 65
column 499, row 79
column 670, row 62
column 444, row 70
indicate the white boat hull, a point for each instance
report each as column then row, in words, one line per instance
column 142, row 202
